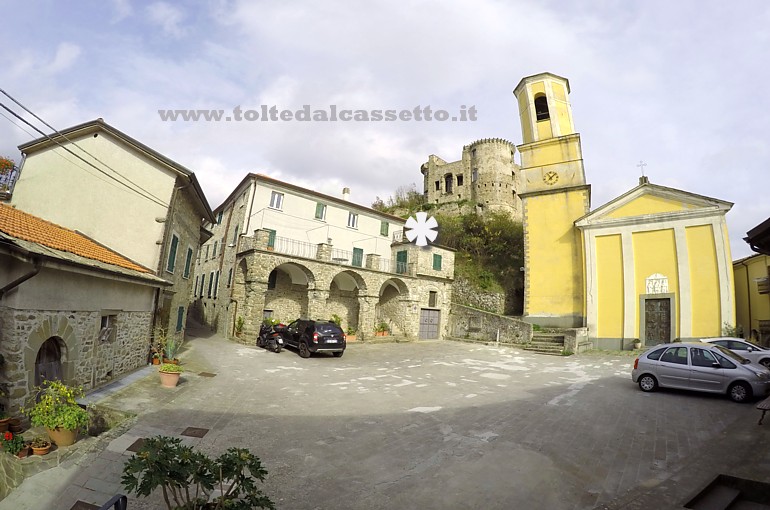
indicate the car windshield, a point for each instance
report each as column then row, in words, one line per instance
column 755, row 346
column 730, row 354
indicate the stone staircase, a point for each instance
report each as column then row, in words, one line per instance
column 546, row 343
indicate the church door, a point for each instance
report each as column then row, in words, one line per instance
column 48, row 362
column 657, row 321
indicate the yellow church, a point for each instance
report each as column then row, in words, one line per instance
column 653, row 264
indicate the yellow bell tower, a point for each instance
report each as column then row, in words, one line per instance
column 554, row 194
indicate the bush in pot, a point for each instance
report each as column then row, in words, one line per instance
column 169, row 374
column 54, row 406
column 188, row 477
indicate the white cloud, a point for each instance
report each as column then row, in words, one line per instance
column 168, row 17
column 122, row 8
column 66, row 55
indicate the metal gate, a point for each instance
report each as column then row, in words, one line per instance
column 429, row 321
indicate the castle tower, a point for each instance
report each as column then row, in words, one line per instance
column 554, row 195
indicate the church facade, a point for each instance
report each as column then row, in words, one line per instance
column 653, row 264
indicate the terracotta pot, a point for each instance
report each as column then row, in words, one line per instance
column 350, row 338
column 169, row 379
column 62, row 437
column 23, row 452
column 40, row 451
column 15, row 425
column 172, row 361
column 4, row 424
column 155, row 361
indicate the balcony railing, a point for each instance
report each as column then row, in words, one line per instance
column 8, row 180
column 295, row 248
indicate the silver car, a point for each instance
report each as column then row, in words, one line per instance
column 701, row 367
column 743, row 348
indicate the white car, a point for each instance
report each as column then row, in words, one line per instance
column 744, row 348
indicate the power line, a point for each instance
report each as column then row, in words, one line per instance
column 144, row 193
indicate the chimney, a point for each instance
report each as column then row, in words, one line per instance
column 346, row 194
column 644, row 180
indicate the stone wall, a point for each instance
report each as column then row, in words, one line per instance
column 465, row 293
column 467, row 322
column 86, row 360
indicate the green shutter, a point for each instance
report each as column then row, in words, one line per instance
column 188, row 262
column 172, row 254
column 437, row 262
column 271, row 238
column 384, row 225
column 401, row 262
column 358, row 257
column 179, row 318
column 319, row 211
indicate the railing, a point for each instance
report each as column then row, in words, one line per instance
column 118, row 502
column 398, row 236
column 295, row 248
column 8, row 181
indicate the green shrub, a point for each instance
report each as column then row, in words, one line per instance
column 171, row 368
column 54, row 405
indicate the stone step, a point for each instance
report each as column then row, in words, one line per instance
column 546, row 338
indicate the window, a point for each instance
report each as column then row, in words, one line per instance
column 438, row 185
column 358, row 257
column 276, row 200
column 436, row 262
column 229, row 277
column 272, row 279
column 676, row 355
column 211, row 283
column 401, row 262
column 320, row 211
column 236, row 231
column 432, row 298
column 214, row 251
column 188, row 263
column 195, row 288
column 702, row 358
column 475, row 175
column 216, row 284
column 270, row 239
column 203, row 284
column 460, row 180
column 172, row 253
column 352, row 220
column 655, row 355
column 207, row 253
column 541, row 108
column 219, row 218
column 724, row 362
column 108, row 331
column 179, row 318
column 384, row 227
column 448, row 180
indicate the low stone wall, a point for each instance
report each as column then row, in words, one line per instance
column 472, row 323
column 465, row 293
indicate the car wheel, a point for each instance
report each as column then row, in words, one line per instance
column 765, row 362
column 739, row 392
column 648, row 383
column 338, row 354
column 304, row 351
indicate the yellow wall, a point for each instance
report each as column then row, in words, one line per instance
column 557, row 151
column 751, row 306
column 524, row 113
column 554, row 253
column 648, row 204
column 609, row 273
column 655, row 252
column 704, row 282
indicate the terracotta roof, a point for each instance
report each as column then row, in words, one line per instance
column 21, row 225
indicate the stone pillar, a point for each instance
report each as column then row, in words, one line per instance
column 250, row 308
column 324, row 252
column 366, row 318
column 373, row 261
column 261, row 239
column 316, row 304
column 412, row 268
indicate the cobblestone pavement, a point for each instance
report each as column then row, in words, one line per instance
column 427, row 425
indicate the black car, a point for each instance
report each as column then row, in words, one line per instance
column 315, row 336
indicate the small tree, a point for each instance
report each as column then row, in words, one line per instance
column 187, row 477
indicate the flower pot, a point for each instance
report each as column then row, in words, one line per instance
column 172, row 361
column 62, row 437
column 350, row 338
column 4, row 424
column 155, row 361
column 40, row 450
column 23, row 452
column 15, row 425
column 169, row 379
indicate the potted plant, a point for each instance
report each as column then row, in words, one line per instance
column 637, row 343
column 4, row 421
column 169, row 374
column 40, row 445
column 381, row 329
column 350, row 334
column 188, row 477
column 336, row 319
column 14, row 444
column 169, row 345
column 54, row 406
column 6, row 165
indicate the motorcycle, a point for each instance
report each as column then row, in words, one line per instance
column 270, row 338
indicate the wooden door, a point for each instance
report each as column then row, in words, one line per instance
column 657, row 321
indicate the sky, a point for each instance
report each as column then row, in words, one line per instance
column 681, row 86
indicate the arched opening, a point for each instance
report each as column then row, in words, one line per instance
column 287, row 291
column 343, row 301
column 448, row 181
column 48, row 363
column 391, row 307
column 541, row 107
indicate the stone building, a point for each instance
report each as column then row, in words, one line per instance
column 283, row 251
column 122, row 194
column 485, row 179
column 70, row 308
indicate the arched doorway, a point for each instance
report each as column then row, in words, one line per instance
column 343, row 301
column 391, row 307
column 287, row 291
column 48, row 363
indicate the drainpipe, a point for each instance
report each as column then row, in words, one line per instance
column 748, row 296
column 23, row 278
column 235, row 314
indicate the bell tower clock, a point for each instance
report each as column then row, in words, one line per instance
column 554, row 194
